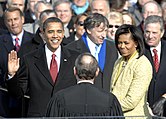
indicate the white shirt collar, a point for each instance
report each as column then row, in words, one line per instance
column 158, row 48
column 76, row 38
column 92, row 47
column 20, row 36
column 49, row 55
column 85, row 81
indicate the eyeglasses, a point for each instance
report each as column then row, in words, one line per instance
column 111, row 26
column 80, row 23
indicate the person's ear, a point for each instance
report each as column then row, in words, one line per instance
column 7, row 6
column 75, row 72
column 162, row 33
column 42, row 31
column 136, row 44
column 23, row 19
column 88, row 31
column 97, row 72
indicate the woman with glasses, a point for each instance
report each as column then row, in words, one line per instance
column 115, row 20
column 79, row 29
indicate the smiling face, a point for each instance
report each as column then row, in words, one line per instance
column 113, row 26
column 98, row 34
column 64, row 12
column 126, row 45
column 79, row 3
column 14, row 22
column 53, row 34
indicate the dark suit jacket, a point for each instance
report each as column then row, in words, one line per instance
column 70, row 26
column 3, row 31
column 157, row 86
column 33, row 76
column 83, row 100
column 9, row 104
column 7, row 46
column 69, row 39
column 33, row 44
column 28, row 18
column 104, row 78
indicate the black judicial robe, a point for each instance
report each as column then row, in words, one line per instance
column 83, row 99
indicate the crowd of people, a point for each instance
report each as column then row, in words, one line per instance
column 82, row 58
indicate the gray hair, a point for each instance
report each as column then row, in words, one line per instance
column 9, row 2
column 154, row 19
column 154, row 2
column 37, row 5
column 58, row 2
column 45, row 13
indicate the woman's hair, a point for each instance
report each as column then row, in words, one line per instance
column 130, row 15
column 116, row 16
column 79, row 16
column 135, row 34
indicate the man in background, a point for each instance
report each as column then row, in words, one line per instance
column 94, row 41
column 15, row 39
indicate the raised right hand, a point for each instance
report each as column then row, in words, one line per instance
column 13, row 63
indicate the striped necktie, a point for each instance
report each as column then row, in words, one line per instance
column 155, row 60
column 17, row 46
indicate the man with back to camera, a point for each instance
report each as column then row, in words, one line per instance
column 84, row 99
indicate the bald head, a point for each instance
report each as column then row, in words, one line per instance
column 151, row 8
column 86, row 66
column 100, row 6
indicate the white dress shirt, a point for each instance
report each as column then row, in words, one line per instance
column 19, row 36
column 49, row 56
column 92, row 48
column 158, row 48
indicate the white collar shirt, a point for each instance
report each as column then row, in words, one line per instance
column 158, row 48
column 92, row 48
column 85, row 81
column 49, row 56
column 20, row 36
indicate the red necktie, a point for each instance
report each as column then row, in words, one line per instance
column 53, row 68
column 155, row 60
column 17, row 46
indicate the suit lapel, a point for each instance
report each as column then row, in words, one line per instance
column 81, row 47
column 25, row 38
column 149, row 56
column 107, row 57
column 8, row 43
column 162, row 57
column 41, row 64
column 63, row 64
